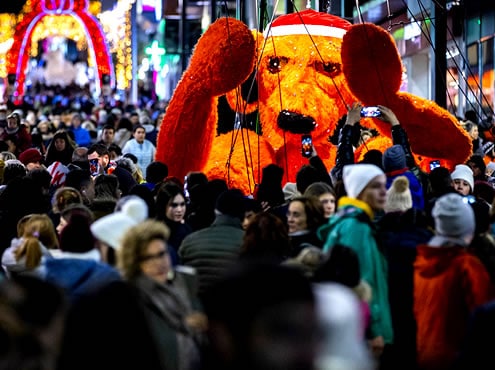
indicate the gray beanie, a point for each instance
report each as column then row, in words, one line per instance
column 453, row 216
column 394, row 158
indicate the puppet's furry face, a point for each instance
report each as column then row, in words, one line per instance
column 302, row 79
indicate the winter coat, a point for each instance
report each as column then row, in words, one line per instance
column 78, row 277
column 399, row 234
column 449, row 284
column 351, row 226
column 166, row 307
column 213, row 250
column 12, row 266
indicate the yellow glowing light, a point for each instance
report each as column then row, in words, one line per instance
column 58, row 25
column 94, row 7
column 116, row 25
column 7, row 29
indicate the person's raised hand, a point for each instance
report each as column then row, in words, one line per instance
column 388, row 115
column 354, row 114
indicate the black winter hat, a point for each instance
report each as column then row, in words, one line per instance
column 231, row 203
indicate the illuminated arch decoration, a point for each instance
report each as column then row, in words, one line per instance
column 18, row 55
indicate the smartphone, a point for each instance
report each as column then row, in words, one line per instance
column 370, row 112
column 469, row 199
column 94, row 167
column 306, row 146
column 434, row 164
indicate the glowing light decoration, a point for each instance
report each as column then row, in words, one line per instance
column 155, row 52
column 116, row 24
column 18, row 55
column 58, row 25
column 7, row 26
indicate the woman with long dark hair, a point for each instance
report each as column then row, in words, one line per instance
column 60, row 149
column 171, row 209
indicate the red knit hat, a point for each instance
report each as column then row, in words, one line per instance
column 308, row 22
column 31, row 155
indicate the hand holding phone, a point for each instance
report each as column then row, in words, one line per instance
column 434, row 164
column 370, row 112
column 306, row 146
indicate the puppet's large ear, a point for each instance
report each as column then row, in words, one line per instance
column 224, row 56
column 222, row 59
column 244, row 98
column 371, row 63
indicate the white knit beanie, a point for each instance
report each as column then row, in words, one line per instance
column 453, row 216
column 357, row 176
column 111, row 228
column 465, row 173
column 399, row 197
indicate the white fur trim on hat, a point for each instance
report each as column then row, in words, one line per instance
column 308, row 22
column 357, row 176
column 465, row 173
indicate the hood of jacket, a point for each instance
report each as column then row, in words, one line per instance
column 347, row 207
column 79, row 276
column 433, row 261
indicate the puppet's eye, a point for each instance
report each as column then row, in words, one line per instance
column 328, row 68
column 275, row 64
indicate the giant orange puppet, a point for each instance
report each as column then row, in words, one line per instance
column 308, row 67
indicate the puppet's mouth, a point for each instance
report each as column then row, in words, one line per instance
column 295, row 123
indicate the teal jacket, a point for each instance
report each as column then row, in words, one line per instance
column 352, row 226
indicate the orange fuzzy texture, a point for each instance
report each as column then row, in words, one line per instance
column 433, row 132
column 224, row 58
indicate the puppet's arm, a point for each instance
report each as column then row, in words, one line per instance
column 373, row 70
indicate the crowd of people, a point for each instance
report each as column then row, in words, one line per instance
column 109, row 262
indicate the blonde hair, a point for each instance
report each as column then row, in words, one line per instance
column 139, row 176
column 65, row 196
column 22, row 223
column 36, row 229
column 135, row 243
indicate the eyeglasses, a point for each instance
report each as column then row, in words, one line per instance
column 155, row 256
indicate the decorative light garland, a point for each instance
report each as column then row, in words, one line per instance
column 58, row 25
column 34, row 13
column 7, row 27
column 118, row 30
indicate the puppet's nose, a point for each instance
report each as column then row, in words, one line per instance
column 295, row 123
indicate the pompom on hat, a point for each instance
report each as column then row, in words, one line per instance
column 111, row 228
column 357, row 176
column 399, row 197
column 463, row 172
column 308, row 22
